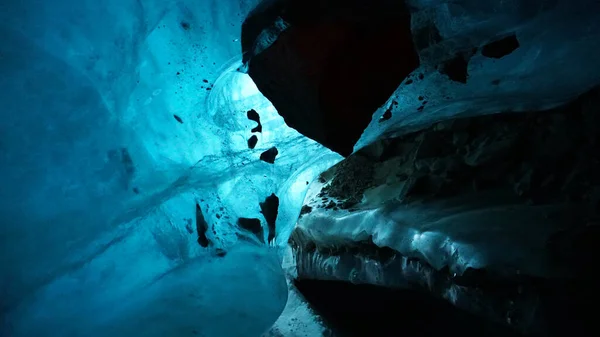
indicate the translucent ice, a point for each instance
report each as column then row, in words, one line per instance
column 240, row 294
column 118, row 117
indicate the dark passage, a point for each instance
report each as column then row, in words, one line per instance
column 336, row 64
column 370, row 311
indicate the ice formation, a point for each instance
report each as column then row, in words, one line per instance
column 121, row 120
column 118, row 117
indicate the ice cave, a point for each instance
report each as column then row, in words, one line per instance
column 299, row 168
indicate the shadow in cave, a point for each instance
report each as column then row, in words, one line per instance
column 369, row 311
column 334, row 66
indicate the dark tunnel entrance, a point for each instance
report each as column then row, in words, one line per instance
column 369, row 311
column 334, row 66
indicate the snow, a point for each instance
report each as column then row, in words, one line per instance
column 131, row 296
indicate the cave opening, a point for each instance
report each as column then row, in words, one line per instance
column 360, row 310
column 342, row 65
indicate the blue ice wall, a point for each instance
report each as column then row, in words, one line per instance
column 99, row 179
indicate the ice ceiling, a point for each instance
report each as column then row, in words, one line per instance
column 119, row 117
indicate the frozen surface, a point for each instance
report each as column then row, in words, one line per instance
column 131, row 296
column 117, row 117
column 459, row 234
column 100, row 179
column 298, row 319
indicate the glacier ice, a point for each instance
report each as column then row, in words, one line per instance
column 118, row 117
column 124, row 297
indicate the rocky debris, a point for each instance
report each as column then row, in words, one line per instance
column 252, row 141
column 201, row 228
column 253, row 226
column 543, row 160
column 305, row 210
column 220, row 252
column 500, row 48
column 185, row 25
column 351, row 179
column 331, row 205
column 543, row 157
column 269, row 209
column 305, row 71
column 269, row 155
column 254, row 116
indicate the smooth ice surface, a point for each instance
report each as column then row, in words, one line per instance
column 298, row 319
column 240, row 294
column 100, row 179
